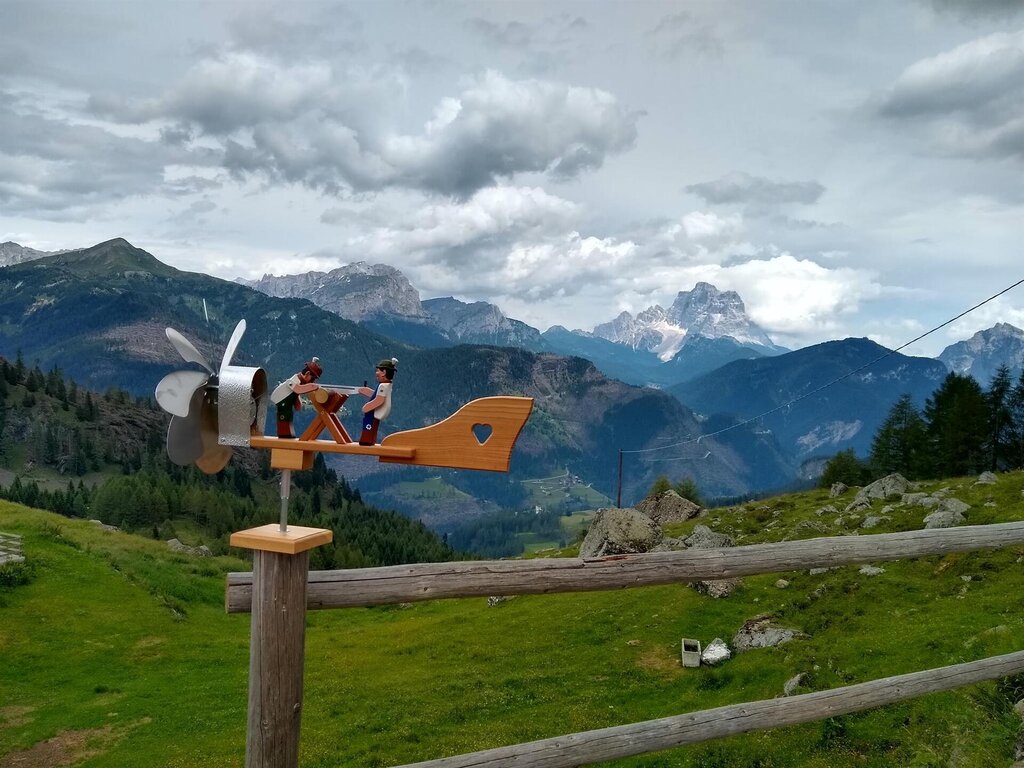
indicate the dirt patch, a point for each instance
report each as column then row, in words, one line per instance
column 660, row 660
column 66, row 748
column 12, row 717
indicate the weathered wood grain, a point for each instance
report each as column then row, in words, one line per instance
column 431, row 581
column 653, row 735
column 276, row 660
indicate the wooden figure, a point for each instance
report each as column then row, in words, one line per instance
column 379, row 406
column 286, row 396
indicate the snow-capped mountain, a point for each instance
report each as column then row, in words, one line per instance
column 356, row 291
column 983, row 353
column 705, row 312
column 12, row 253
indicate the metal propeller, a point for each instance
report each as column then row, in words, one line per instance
column 192, row 398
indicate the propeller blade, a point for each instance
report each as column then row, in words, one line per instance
column 175, row 390
column 185, row 348
column 214, row 456
column 229, row 350
column 184, row 441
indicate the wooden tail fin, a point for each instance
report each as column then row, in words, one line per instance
column 480, row 435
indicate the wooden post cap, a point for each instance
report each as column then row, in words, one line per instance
column 270, row 538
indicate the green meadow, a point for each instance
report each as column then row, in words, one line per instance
column 116, row 652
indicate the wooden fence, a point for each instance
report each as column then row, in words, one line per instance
column 275, row 697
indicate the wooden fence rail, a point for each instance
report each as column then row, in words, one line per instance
column 655, row 735
column 431, row 581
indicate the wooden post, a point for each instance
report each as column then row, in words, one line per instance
column 278, row 641
column 618, row 496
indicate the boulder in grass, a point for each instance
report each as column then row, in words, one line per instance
column 704, row 538
column 954, row 505
column 620, row 531
column 759, row 632
column 889, row 487
column 793, row 683
column 986, row 478
column 943, row 519
column 718, row 588
column 669, row 507
column 716, row 652
column 838, row 489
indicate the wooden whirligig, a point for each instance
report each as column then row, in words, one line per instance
column 211, row 412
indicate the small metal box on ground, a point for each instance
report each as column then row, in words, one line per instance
column 691, row 652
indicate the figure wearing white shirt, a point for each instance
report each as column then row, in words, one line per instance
column 379, row 406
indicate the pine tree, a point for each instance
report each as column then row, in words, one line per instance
column 844, row 468
column 1015, row 439
column 957, row 419
column 900, row 444
column 1000, row 419
column 661, row 485
column 687, row 488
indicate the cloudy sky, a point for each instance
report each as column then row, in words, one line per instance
column 851, row 167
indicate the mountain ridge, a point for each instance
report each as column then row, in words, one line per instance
column 99, row 313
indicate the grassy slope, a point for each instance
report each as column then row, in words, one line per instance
column 115, row 631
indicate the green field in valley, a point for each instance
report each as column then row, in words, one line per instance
column 117, row 653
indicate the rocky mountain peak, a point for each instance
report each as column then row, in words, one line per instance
column 983, row 353
column 356, row 291
column 701, row 313
column 12, row 253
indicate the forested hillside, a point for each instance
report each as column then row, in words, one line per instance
column 101, row 456
column 963, row 428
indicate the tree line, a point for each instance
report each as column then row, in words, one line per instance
column 963, row 429
column 58, row 425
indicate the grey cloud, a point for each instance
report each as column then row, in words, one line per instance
column 553, row 30
column 682, row 33
column 741, row 187
column 176, row 135
column 510, row 34
column 968, row 101
column 299, row 125
column 968, row 9
column 417, row 60
column 503, row 128
column 51, row 165
column 329, row 30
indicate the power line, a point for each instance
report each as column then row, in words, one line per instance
column 829, row 384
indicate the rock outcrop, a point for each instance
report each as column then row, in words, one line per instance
column 759, row 632
column 704, row 538
column 620, row 531
column 201, row 551
column 669, row 507
column 889, row 487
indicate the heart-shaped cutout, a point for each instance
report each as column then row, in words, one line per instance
column 482, row 432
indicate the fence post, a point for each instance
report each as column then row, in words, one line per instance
column 278, row 640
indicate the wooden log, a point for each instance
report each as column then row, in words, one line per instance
column 431, row 581
column 653, row 735
column 276, row 659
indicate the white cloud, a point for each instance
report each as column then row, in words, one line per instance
column 797, row 297
column 1002, row 310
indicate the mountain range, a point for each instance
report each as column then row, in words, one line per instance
column 703, row 328
column 98, row 313
column 844, row 415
